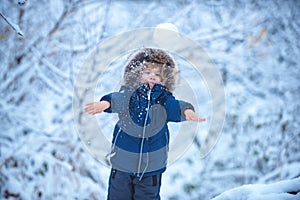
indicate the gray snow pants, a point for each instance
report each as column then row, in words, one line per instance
column 124, row 186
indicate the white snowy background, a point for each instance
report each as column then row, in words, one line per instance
column 255, row 45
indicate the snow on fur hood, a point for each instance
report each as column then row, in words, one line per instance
column 136, row 64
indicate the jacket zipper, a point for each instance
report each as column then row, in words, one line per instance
column 142, row 143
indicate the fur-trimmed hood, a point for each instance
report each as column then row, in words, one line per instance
column 137, row 63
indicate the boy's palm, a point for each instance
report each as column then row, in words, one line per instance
column 96, row 107
column 190, row 115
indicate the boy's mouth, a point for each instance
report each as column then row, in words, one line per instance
column 151, row 84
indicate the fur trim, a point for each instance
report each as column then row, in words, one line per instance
column 139, row 60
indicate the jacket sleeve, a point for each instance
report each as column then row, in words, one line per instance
column 117, row 102
column 111, row 100
column 175, row 109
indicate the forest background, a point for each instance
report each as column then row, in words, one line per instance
column 254, row 45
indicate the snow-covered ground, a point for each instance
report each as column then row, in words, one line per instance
column 254, row 45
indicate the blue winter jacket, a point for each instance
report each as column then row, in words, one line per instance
column 141, row 135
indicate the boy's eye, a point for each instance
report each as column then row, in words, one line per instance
column 148, row 72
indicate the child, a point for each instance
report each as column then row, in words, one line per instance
column 144, row 105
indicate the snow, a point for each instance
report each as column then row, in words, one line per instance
column 280, row 190
column 252, row 43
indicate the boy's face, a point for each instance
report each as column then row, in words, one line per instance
column 151, row 75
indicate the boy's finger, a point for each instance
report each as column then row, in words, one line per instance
column 201, row 119
column 87, row 109
column 89, row 105
column 91, row 112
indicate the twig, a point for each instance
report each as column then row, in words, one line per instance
column 12, row 25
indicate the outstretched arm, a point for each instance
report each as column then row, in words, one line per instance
column 96, row 107
column 190, row 115
column 178, row 110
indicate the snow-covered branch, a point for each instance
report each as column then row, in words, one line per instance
column 283, row 190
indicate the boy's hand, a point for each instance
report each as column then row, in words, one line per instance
column 190, row 115
column 96, row 107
